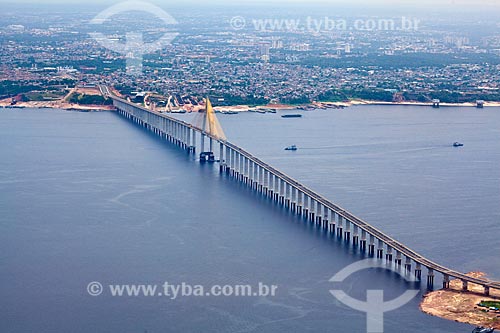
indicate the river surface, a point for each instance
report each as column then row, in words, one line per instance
column 92, row 197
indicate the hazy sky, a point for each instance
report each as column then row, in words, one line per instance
column 247, row 2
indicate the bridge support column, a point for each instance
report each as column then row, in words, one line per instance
column 340, row 227
column 347, row 232
column 273, row 186
column 267, row 175
column 236, row 164
column 260, row 172
column 293, row 206
column 276, row 189
column 202, row 143
column 486, row 290
column 465, row 285
column 371, row 246
column 312, row 214
column 231, row 162
column 332, row 222
column 193, row 141
column 241, row 167
column 270, row 193
column 287, row 195
column 326, row 218
column 388, row 256
column 246, row 168
column 255, row 177
column 380, row 250
column 418, row 271
column 318, row 213
column 446, row 281
column 430, row 278
column 355, row 236
column 222, row 162
column 228, row 160
column 300, row 196
column 398, row 260
column 362, row 245
column 282, row 192
column 408, row 264
column 306, row 206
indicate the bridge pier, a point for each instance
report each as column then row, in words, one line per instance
column 347, row 232
column 430, row 278
column 371, row 246
column 355, row 236
column 222, row 162
column 282, row 192
column 340, row 227
column 318, row 214
column 446, row 281
column 388, row 256
column 326, row 217
column 408, row 264
column 300, row 196
column 287, row 195
column 486, row 290
column 332, row 222
column 362, row 244
column 266, row 182
column 418, row 271
column 310, row 212
column 380, row 250
column 263, row 181
column 305, row 209
column 465, row 285
column 398, row 259
column 293, row 206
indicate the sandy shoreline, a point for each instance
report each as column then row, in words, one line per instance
column 62, row 104
column 242, row 108
column 57, row 105
column 457, row 305
column 366, row 102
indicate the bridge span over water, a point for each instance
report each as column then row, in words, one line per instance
column 290, row 193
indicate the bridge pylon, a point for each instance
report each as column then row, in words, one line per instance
column 206, row 120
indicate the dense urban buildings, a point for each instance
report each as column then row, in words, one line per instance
column 272, row 57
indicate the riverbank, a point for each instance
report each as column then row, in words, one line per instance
column 457, row 305
column 56, row 105
column 409, row 103
column 63, row 104
column 341, row 105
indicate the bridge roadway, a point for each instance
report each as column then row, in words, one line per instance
column 143, row 116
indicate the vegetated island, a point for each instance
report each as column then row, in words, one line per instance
column 470, row 307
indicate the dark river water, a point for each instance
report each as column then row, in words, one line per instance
column 92, row 197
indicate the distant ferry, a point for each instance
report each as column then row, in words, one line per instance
column 483, row 330
column 291, row 116
column 293, row 148
column 458, row 144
